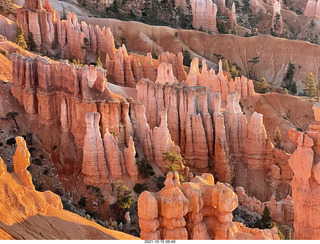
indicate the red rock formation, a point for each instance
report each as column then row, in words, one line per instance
column 165, row 74
column 196, row 210
column 29, row 214
column 232, row 18
column 148, row 68
column 94, row 163
column 65, row 105
column 281, row 212
column 312, row 9
column 21, row 161
column 130, row 161
column 204, row 14
column 277, row 22
column 112, row 153
column 306, row 183
column 162, row 142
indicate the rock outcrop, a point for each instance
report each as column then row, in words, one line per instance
column 37, row 86
column 177, row 64
column 204, row 14
column 281, row 212
column 29, row 214
column 312, row 9
column 232, row 17
column 208, row 139
column 94, row 163
column 277, row 22
column 306, row 182
column 197, row 210
column 21, row 161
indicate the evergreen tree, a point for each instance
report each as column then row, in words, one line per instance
column 288, row 78
column 20, row 37
column 263, row 85
column 31, row 43
column 294, row 88
column 123, row 194
column 64, row 14
column 186, row 58
column 309, row 85
column 266, row 221
column 277, row 138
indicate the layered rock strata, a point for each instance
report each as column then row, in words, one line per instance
column 208, row 139
column 204, row 14
column 38, row 86
column 197, row 210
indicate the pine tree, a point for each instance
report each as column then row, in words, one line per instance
column 31, row 43
column 20, row 37
column 309, row 85
column 277, row 138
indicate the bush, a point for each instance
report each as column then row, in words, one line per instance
column 20, row 37
column 123, row 194
column 277, row 138
column 266, row 221
column 263, row 85
column 46, row 171
column 139, row 188
column 82, row 202
column 173, row 157
column 186, row 58
column 154, row 55
column 144, row 168
column 4, row 52
column 11, row 141
column 31, row 43
column 37, row 161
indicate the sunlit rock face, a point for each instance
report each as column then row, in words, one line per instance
column 196, row 210
column 306, row 182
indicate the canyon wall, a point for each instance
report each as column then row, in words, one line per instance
column 200, row 119
column 235, row 149
column 29, row 214
column 197, row 210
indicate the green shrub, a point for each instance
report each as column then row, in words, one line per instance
column 144, row 168
column 123, row 194
column 139, row 188
column 20, row 37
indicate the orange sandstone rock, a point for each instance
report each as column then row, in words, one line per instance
column 196, row 210
column 94, row 163
column 21, row 161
